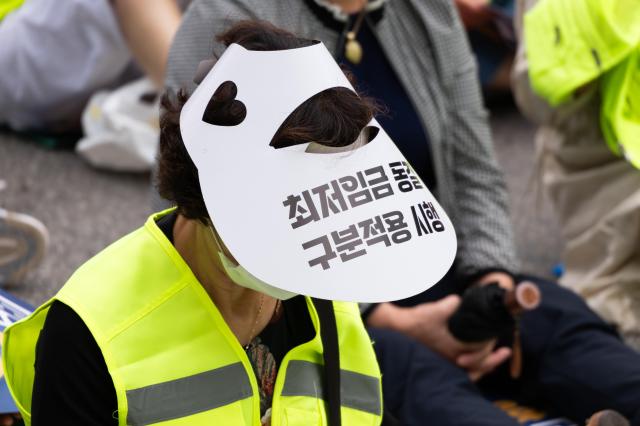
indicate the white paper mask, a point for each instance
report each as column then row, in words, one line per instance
column 279, row 211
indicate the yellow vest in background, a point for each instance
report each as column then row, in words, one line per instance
column 571, row 43
column 620, row 112
column 8, row 6
column 173, row 359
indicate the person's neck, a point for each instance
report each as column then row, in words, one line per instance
column 239, row 306
column 350, row 6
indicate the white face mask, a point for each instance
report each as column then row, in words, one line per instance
column 243, row 278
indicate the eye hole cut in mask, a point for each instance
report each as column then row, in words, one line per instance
column 223, row 108
column 368, row 134
column 319, row 123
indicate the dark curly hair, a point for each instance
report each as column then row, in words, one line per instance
column 334, row 117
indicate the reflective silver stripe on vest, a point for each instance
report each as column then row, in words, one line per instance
column 357, row 391
column 188, row 395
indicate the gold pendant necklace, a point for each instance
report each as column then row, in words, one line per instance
column 352, row 47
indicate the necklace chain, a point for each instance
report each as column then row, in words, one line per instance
column 352, row 48
column 255, row 323
column 359, row 20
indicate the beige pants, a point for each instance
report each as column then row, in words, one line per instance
column 596, row 196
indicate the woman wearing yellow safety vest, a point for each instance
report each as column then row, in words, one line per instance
column 149, row 344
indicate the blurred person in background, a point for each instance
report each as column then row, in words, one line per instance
column 55, row 54
column 595, row 192
column 489, row 25
column 415, row 58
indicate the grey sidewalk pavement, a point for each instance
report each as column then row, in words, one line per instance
column 85, row 209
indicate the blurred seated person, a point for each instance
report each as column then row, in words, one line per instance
column 595, row 193
column 490, row 30
column 55, row 55
column 415, row 58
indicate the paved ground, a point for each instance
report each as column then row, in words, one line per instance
column 86, row 209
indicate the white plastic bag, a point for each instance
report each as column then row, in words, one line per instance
column 121, row 128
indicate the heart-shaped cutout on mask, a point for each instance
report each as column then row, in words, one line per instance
column 224, row 109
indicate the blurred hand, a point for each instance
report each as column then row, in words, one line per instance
column 427, row 323
column 504, row 280
column 483, row 360
column 474, row 13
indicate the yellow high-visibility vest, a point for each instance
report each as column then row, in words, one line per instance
column 8, row 6
column 172, row 357
column 620, row 111
column 571, row 43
